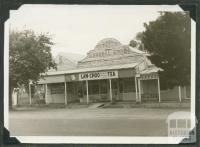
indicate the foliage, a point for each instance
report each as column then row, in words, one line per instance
column 137, row 42
column 139, row 36
column 29, row 55
column 168, row 40
column 133, row 43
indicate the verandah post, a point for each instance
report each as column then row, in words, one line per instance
column 139, row 90
column 87, row 91
column 118, row 90
column 65, row 93
column 136, row 89
column 179, row 93
column 46, row 93
column 30, row 101
column 159, row 90
column 110, row 83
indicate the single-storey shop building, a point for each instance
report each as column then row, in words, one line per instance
column 110, row 72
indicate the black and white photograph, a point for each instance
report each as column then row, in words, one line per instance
column 100, row 74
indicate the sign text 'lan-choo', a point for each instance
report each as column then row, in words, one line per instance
column 98, row 75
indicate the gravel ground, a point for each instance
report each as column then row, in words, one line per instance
column 90, row 122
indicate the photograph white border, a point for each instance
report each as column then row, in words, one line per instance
column 95, row 139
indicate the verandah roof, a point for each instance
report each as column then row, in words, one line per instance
column 151, row 69
column 81, row 70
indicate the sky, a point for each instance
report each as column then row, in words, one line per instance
column 78, row 28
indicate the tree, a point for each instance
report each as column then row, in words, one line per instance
column 168, row 40
column 137, row 42
column 29, row 55
column 139, row 36
column 133, row 43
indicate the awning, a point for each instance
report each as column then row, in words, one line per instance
column 101, row 68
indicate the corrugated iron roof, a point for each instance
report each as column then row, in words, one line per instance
column 152, row 69
column 80, row 70
column 136, row 50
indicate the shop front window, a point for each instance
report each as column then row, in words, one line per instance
column 103, row 86
column 127, row 85
column 57, row 88
column 93, row 87
column 69, row 87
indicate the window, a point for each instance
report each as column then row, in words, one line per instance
column 93, row 87
column 128, row 85
column 103, row 86
column 80, row 89
column 120, row 85
column 114, row 83
column 57, row 88
column 108, row 51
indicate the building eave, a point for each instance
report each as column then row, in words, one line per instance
column 91, row 69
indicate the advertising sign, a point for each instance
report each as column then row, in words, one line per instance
column 98, row 75
column 148, row 76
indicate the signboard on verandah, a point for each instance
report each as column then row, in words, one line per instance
column 98, row 75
